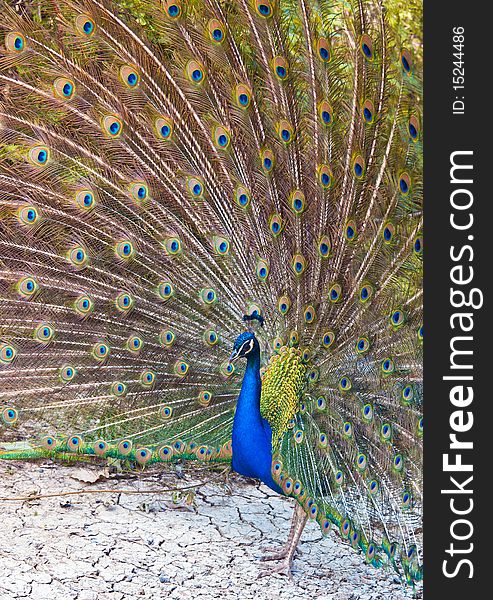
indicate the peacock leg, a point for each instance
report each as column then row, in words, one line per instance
column 275, row 553
column 286, row 555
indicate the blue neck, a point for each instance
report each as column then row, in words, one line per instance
column 252, row 436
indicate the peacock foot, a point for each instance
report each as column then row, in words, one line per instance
column 276, row 554
column 283, row 568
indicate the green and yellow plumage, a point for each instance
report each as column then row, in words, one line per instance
column 169, row 168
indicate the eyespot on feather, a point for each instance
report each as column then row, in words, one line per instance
column 297, row 202
column 325, row 113
column 221, row 137
column 44, row 333
column 324, row 176
column 64, row 88
column 368, row 112
column 242, row 196
column 359, row 166
column 28, row 215
column 130, row 76
column 406, row 62
column 85, row 200
column 83, row 305
column 27, row 287
column 164, row 128
column 285, row 131
column 147, row 379
column 243, row 96
column 15, row 42
column 284, row 304
column 124, row 250
column 264, row 8
column 124, row 302
column 298, row 264
column 39, row 155
column 100, row 447
column 216, row 31
column 195, row 72
column 323, row 50
column 84, row 25
column 166, row 338
column 366, row 47
column 267, row 160
column 172, row 9
column 112, row 126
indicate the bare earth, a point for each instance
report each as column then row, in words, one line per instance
column 112, row 546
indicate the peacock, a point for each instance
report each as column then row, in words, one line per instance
column 211, row 250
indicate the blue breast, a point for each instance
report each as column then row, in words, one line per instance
column 252, row 435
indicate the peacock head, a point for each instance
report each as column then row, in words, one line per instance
column 244, row 346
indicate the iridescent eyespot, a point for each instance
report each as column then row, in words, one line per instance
column 134, row 344
column 328, row 339
column 388, row 366
column 77, row 256
column 138, row 191
column 277, row 343
column 166, row 412
column 406, row 62
column 85, row 25
column 322, row 440
column 165, row 453
column 413, row 128
column 125, row 447
column 324, row 246
column 28, row 215
column 112, row 125
column 419, row 426
column 420, row 333
column 208, row 296
column 100, row 351
column 44, row 333
column 297, row 201
column 147, row 379
column 124, row 302
column 345, row 384
column 124, row 249
column 195, row 72
column 39, row 155
column 85, row 200
column 365, row 292
column 130, row 76
column 350, row 231
column 227, row 369
column 165, row 290
column 397, row 318
column 172, row 9
column 368, row 112
column 359, row 166
column 143, row 455
column 242, row 196
column 100, row 447
column 306, row 355
column 210, row 337
column 325, row 113
column 373, row 487
column 280, row 67
column 313, row 375
column 294, row 338
column 221, row 245
column 216, row 31
column 370, row 553
column 48, row 442
column 276, row 224
column 262, row 269
column 335, row 293
column 345, row 528
column 386, row 432
column 362, row 345
column 367, row 412
column 404, row 184
column 309, row 314
column 407, row 394
column 204, row 398
column 285, row 132
column 164, row 128
column 195, row 187
column 366, row 46
column 267, row 159
column 67, row 373
column 398, row 463
column 324, row 176
column 221, row 137
column 355, row 539
column 361, row 462
column 283, row 304
column 418, row 246
column 287, row 486
column 118, row 389
column 323, row 50
column 7, row 353
column 27, row 287
column 264, row 8
column 172, row 246
column 166, row 338
column 339, row 478
column 83, row 305
column 15, row 42
column 406, row 499
column 298, row 436
column 388, row 232
column 75, row 443
column 392, row 550
column 298, row 264
column 64, row 88
column 243, row 95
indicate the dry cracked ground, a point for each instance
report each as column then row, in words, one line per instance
column 119, row 546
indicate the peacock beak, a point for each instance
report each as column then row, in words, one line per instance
column 235, row 355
